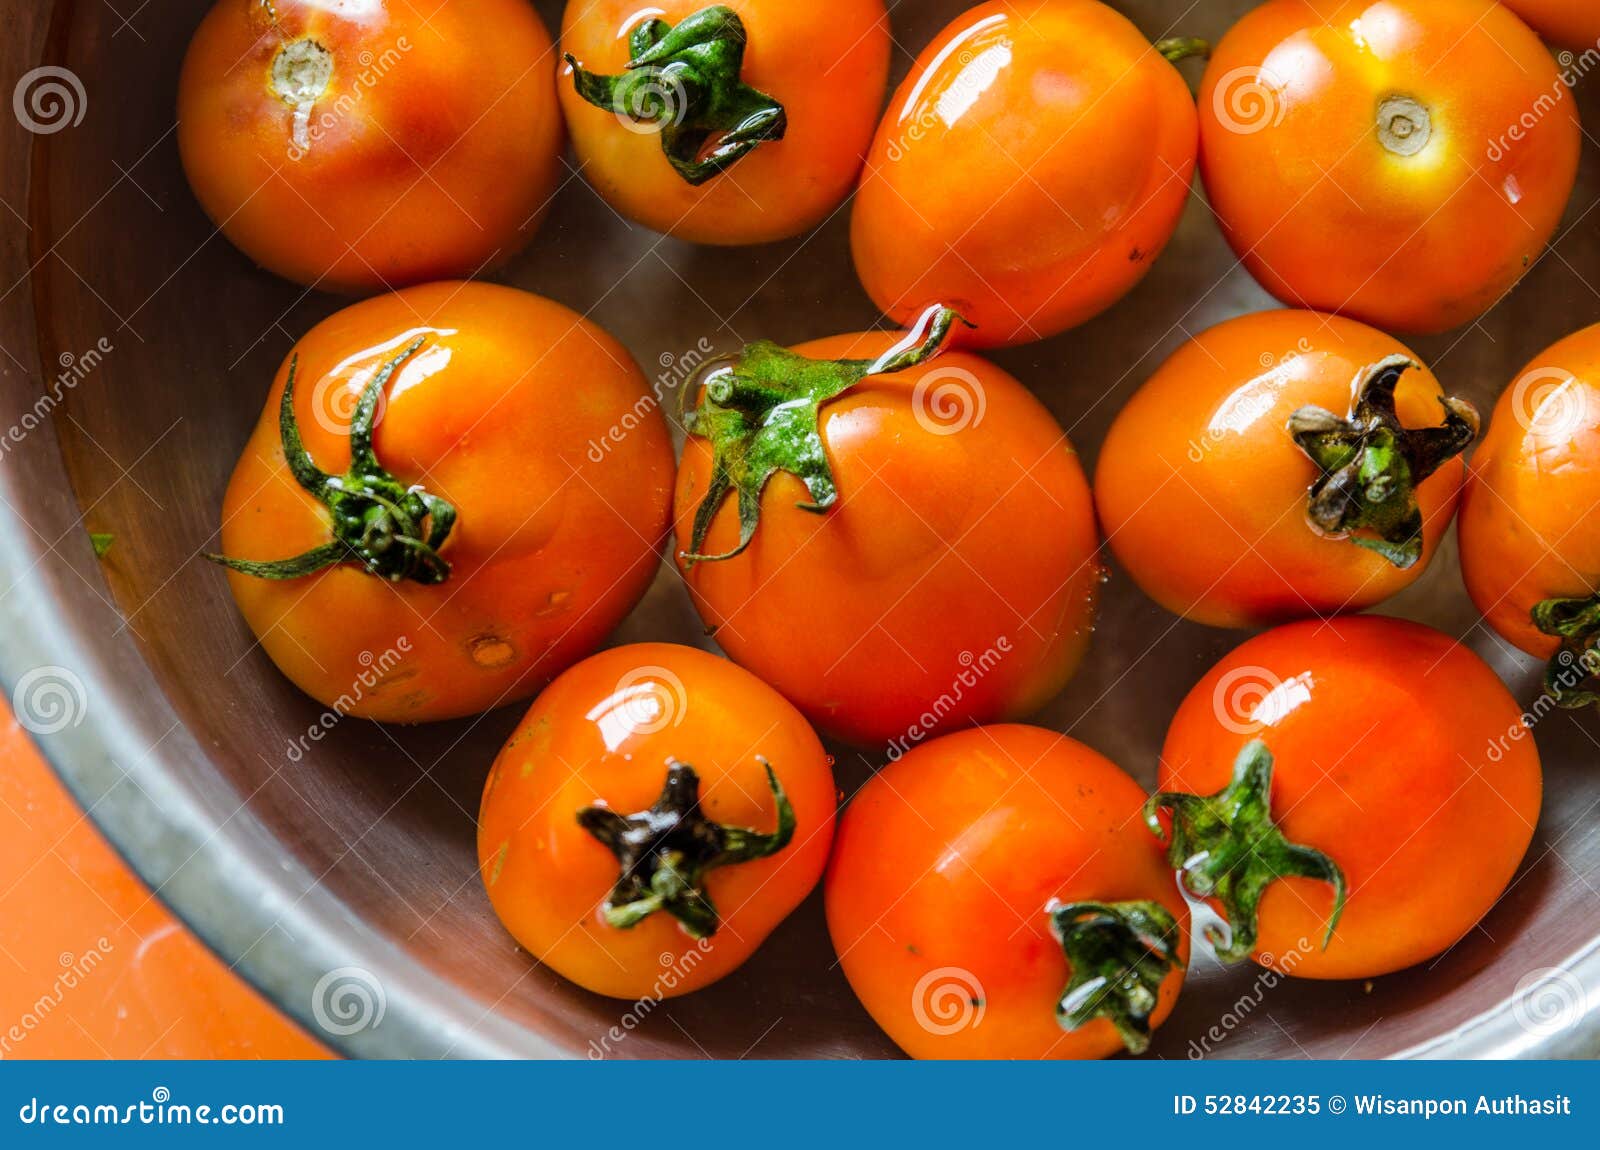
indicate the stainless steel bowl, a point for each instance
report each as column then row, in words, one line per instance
column 355, row 867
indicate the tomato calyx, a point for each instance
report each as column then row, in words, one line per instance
column 392, row 530
column 1120, row 954
column 667, row 851
column 1372, row 465
column 762, row 414
column 1226, row 847
column 685, row 81
column 1567, row 677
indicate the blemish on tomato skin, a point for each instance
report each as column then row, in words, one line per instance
column 499, row 862
column 491, row 651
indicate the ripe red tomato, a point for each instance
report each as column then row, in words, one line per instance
column 1400, row 163
column 736, row 123
column 1248, row 482
column 1530, row 549
column 374, row 144
column 1572, row 23
column 993, row 895
column 1352, row 795
column 1031, row 168
column 652, row 819
column 899, row 544
column 471, row 548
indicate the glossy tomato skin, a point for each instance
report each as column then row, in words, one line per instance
column 1419, row 234
column 940, row 884
column 1527, row 532
column 1029, row 171
column 826, row 62
column 602, row 734
column 953, row 582
column 1202, row 454
column 550, row 550
column 1571, row 23
column 431, row 154
column 1397, row 753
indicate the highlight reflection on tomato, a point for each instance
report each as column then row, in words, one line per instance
column 1030, row 169
column 1351, row 795
column 736, row 123
column 1384, row 161
column 1280, row 465
column 372, row 144
column 994, row 895
column 900, row 541
column 467, row 550
column 652, row 819
column 1530, row 541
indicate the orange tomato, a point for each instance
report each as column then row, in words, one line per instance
column 652, row 819
column 498, row 529
column 372, row 144
column 1574, row 23
column 992, row 895
column 1530, row 544
column 1367, row 759
column 1402, row 163
column 926, row 552
column 736, row 123
column 1031, row 168
column 1206, row 495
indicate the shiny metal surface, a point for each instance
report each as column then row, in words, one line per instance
column 361, row 855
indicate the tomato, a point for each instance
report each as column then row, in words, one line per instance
column 899, row 544
column 1352, row 795
column 1574, row 23
column 1031, row 168
column 375, row 143
column 1530, row 547
column 1402, row 162
column 992, row 895
column 652, row 819
column 737, row 123
column 484, row 542
column 1285, row 497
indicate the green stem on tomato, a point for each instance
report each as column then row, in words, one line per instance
column 685, row 81
column 1227, row 848
column 1119, row 954
column 761, row 414
column 393, row 530
column 1371, row 465
column 1570, row 676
